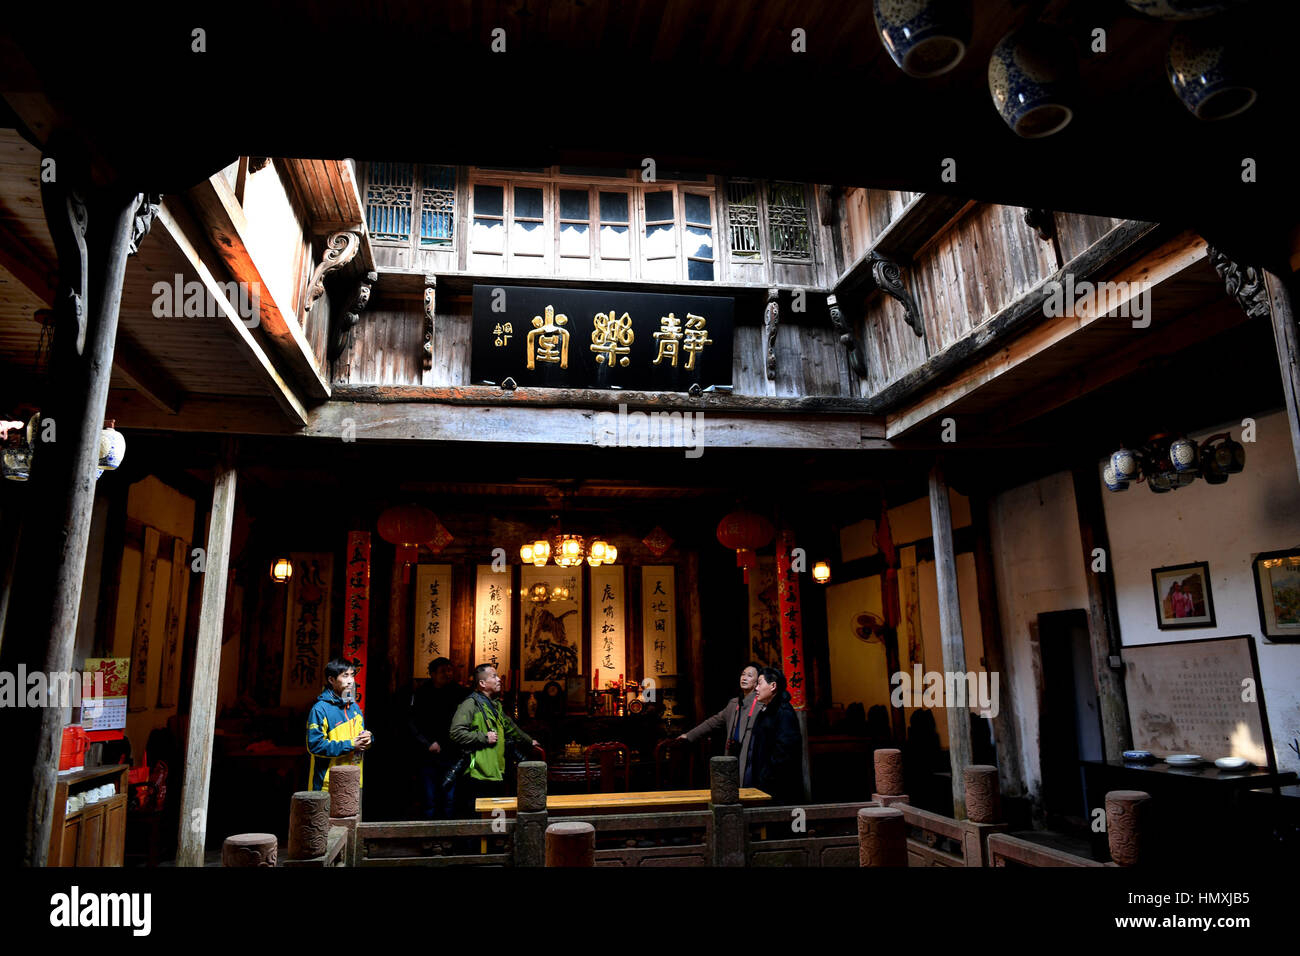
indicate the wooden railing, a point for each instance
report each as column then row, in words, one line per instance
column 884, row 831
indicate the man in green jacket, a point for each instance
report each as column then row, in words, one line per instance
column 480, row 728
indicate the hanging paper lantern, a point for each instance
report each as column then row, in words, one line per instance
column 743, row 532
column 406, row 526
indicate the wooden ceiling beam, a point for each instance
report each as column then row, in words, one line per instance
column 222, row 218
column 143, row 375
column 1163, row 263
column 174, row 234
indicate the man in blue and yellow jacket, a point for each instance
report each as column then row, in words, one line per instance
column 336, row 732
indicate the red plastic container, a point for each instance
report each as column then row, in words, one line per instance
column 72, row 751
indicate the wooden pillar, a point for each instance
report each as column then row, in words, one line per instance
column 695, row 634
column 952, row 641
column 1005, row 732
column 1287, row 337
column 48, row 573
column 207, row 666
column 1103, row 618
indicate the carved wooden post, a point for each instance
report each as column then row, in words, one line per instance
column 1126, row 814
column 1276, row 297
column 530, row 818
column 952, row 642
column 48, row 573
column 771, row 321
column 983, row 813
column 882, row 837
column 249, row 849
column 570, row 844
column 728, row 814
column 889, row 777
column 430, row 310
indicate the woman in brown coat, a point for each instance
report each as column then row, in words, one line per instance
column 736, row 717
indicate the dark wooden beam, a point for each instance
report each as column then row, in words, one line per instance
column 927, row 215
column 1103, row 615
column 146, row 377
column 1287, row 336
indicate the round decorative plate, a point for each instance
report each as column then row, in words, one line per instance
column 1184, row 760
column 1234, row 763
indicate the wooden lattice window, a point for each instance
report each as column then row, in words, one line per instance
column 390, row 201
column 787, row 217
column 437, row 206
column 742, row 219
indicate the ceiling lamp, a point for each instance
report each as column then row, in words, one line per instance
column 1167, row 465
column 601, row 552
column 743, row 531
column 570, row 550
column 821, row 572
column 539, row 593
column 281, row 570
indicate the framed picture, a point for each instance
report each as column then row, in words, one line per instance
column 1183, row 596
column 1277, row 591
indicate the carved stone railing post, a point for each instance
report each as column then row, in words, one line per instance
column 309, row 824
column 983, row 812
column 771, row 320
column 889, row 777
column 882, row 837
column 728, row 843
column 570, row 844
column 345, row 802
column 249, row 849
column 1126, row 815
column 530, row 818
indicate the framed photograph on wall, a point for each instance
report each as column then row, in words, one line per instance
column 1277, row 591
column 1183, row 597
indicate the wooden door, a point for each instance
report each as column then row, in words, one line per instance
column 90, row 844
column 69, row 833
column 114, row 831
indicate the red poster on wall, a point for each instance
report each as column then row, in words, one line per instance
column 791, row 613
column 356, row 607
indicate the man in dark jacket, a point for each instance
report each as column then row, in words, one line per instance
column 736, row 718
column 433, row 705
column 776, row 746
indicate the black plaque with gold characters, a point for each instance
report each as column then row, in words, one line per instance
column 571, row 338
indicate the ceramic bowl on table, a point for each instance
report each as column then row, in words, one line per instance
column 1234, row 764
column 1139, row 756
column 1184, row 760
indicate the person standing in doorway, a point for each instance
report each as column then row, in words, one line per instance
column 336, row 732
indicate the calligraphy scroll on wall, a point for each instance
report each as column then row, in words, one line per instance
column 432, row 616
column 764, row 614
column 550, row 630
column 608, row 622
column 492, row 597
column 791, row 615
column 659, row 620
column 143, row 622
column 356, row 608
column 306, row 628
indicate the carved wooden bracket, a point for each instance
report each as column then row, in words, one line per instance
column 1245, row 284
column 340, row 249
column 888, row 276
column 345, row 327
column 144, row 216
column 847, row 338
column 67, row 218
column 1043, row 222
column 771, row 319
column 430, row 282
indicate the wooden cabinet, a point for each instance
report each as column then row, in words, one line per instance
column 96, row 834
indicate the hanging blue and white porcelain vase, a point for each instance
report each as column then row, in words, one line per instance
column 1124, row 463
column 1183, row 455
column 112, row 447
column 1108, row 478
column 924, row 37
column 1031, row 78
column 1209, row 72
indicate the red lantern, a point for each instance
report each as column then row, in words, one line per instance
column 407, row 526
column 743, row 531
